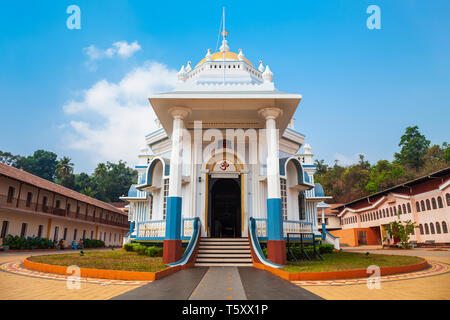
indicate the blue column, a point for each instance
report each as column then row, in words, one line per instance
column 173, row 218
column 274, row 219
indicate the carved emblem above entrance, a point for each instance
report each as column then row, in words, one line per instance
column 224, row 165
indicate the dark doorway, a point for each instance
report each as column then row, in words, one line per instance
column 224, row 208
column 362, row 238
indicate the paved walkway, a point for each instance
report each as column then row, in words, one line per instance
column 228, row 283
column 431, row 284
column 15, row 286
column 220, row 283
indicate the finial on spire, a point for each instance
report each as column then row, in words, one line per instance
column 261, row 67
column 208, row 55
column 224, row 47
column 267, row 75
column 188, row 68
column 182, row 75
column 240, row 55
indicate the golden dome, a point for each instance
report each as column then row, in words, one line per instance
column 229, row 56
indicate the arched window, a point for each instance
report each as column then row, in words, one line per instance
column 404, row 209
column 421, row 228
column 448, row 198
column 417, row 207
column 444, row 227
column 392, row 211
column 433, row 203
column 438, row 228
column 384, row 213
column 426, row 229
column 399, row 209
column 428, row 204
column 409, row 208
column 432, row 228
column 422, row 205
column 440, row 204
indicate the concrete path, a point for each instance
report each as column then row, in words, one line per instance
column 21, row 287
column 220, row 283
column 433, row 287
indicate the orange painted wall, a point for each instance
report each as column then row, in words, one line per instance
column 350, row 236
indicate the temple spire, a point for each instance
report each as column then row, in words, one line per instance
column 224, row 47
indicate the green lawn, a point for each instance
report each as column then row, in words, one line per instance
column 112, row 260
column 338, row 261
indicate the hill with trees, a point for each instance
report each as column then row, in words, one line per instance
column 416, row 158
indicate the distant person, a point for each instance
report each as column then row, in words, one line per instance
column 74, row 245
column 80, row 244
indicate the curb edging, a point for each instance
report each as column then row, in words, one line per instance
column 337, row 275
column 102, row 273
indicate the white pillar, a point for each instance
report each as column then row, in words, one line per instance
column 272, row 137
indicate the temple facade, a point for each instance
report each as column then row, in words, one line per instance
column 226, row 152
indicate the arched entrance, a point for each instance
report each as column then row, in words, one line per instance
column 224, row 208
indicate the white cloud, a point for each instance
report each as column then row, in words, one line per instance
column 119, row 114
column 126, row 50
column 120, row 49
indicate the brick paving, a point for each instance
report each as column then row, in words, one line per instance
column 18, row 283
column 34, row 286
column 429, row 284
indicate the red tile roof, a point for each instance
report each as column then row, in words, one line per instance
column 332, row 210
column 38, row 182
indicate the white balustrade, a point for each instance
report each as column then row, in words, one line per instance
column 188, row 227
column 261, row 227
column 151, row 229
column 296, row 227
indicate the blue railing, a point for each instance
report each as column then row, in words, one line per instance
column 192, row 243
column 255, row 244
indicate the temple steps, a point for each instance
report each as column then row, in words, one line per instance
column 224, row 252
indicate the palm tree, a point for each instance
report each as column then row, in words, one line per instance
column 101, row 170
column 64, row 168
column 88, row 192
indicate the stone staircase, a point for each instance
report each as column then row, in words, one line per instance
column 224, row 252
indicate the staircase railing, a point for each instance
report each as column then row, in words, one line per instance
column 192, row 242
column 256, row 247
column 333, row 240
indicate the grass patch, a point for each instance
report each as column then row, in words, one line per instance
column 111, row 260
column 338, row 261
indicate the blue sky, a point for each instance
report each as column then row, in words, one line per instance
column 361, row 88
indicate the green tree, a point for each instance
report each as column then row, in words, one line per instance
column 9, row 159
column 64, row 173
column 402, row 231
column 83, row 181
column 88, row 192
column 414, row 147
column 42, row 164
column 112, row 183
column 384, row 175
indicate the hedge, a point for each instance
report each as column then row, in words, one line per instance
column 92, row 243
column 29, row 243
column 144, row 250
column 322, row 248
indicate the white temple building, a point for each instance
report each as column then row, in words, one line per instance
column 225, row 157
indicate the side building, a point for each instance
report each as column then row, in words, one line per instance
column 425, row 201
column 32, row 206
